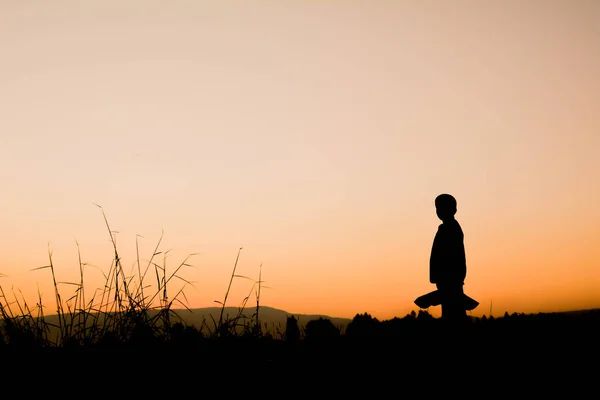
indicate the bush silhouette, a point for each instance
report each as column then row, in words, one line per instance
column 321, row 328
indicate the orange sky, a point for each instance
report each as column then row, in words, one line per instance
column 315, row 135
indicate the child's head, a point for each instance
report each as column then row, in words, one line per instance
column 445, row 206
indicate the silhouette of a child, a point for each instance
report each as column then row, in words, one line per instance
column 447, row 264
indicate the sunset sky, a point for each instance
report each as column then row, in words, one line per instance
column 315, row 135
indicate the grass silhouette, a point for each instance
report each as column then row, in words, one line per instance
column 122, row 313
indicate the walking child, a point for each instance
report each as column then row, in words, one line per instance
column 447, row 263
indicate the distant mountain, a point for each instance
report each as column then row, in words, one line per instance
column 205, row 319
column 271, row 318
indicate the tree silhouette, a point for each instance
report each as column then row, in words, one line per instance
column 363, row 325
column 292, row 331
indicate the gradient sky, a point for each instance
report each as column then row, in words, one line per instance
column 315, row 135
